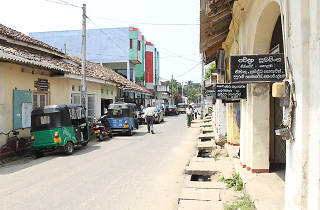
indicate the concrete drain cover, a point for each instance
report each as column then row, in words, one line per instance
column 200, row 178
column 204, row 153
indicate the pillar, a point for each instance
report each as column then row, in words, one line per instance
column 259, row 126
column 243, row 134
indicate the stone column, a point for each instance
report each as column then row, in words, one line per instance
column 243, row 134
column 259, row 120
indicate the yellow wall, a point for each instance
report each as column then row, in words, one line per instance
column 60, row 90
column 109, row 92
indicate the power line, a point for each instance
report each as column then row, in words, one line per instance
column 108, row 36
column 177, row 55
column 61, row 2
column 186, row 72
column 147, row 23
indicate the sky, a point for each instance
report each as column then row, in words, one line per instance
column 178, row 44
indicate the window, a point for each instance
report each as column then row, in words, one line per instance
column 139, row 45
column 91, row 108
column 40, row 100
column 131, row 44
column 76, row 98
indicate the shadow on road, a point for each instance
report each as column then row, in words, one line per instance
column 32, row 161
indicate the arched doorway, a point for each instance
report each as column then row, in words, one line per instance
column 268, row 39
column 277, row 155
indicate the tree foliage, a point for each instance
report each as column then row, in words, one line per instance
column 190, row 89
column 212, row 66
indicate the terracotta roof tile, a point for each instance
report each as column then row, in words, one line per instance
column 18, row 36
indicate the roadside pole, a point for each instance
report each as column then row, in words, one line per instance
column 202, row 84
column 172, row 90
column 83, row 61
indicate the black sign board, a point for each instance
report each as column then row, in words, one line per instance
column 230, row 101
column 211, row 93
column 41, row 84
column 257, row 68
column 231, row 91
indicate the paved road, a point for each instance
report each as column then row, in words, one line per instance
column 144, row 171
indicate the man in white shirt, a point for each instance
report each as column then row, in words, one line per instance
column 149, row 113
column 189, row 115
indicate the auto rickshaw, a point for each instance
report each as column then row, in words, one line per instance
column 58, row 127
column 123, row 118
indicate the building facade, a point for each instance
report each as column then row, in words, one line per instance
column 34, row 74
column 248, row 27
column 121, row 49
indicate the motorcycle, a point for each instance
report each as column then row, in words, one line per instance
column 101, row 127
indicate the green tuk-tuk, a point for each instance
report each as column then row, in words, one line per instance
column 58, row 127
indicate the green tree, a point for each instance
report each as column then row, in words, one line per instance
column 207, row 74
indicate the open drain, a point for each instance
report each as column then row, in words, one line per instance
column 204, row 153
column 203, row 140
column 205, row 132
column 200, row 178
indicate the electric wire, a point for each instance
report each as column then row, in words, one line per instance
column 61, row 2
column 188, row 71
column 107, row 35
column 147, row 23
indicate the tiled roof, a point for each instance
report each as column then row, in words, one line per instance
column 24, row 55
column 18, row 36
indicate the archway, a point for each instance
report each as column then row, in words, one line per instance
column 268, row 39
column 265, row 28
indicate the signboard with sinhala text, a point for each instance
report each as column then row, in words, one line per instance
column 231, row 91
column 257, row 68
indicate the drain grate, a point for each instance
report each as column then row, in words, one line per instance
column 203, row 140
column 200, row 178
column 204, row 153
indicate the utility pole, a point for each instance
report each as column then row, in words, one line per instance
column 182, row 90
column 202, row 84
column 172, row 90
column 83, row 57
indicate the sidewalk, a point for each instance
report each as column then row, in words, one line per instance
column 203, row 188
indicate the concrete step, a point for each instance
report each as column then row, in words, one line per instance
column 206, row 125
column 199, row 194
column 200, row 159
column 206, row 136
column 206, row 145
column 206, row 120
column 206, row 130
column 200, row 205
column 203, row 185
column 201, row 168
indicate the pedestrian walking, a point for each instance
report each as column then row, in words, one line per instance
column 196, row 113
column 149, row 117
column 189, row 115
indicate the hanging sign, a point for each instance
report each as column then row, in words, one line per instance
column 211, row 93
column 231, row 91
column 257, row 68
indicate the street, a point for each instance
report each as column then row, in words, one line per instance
column 142, row 171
